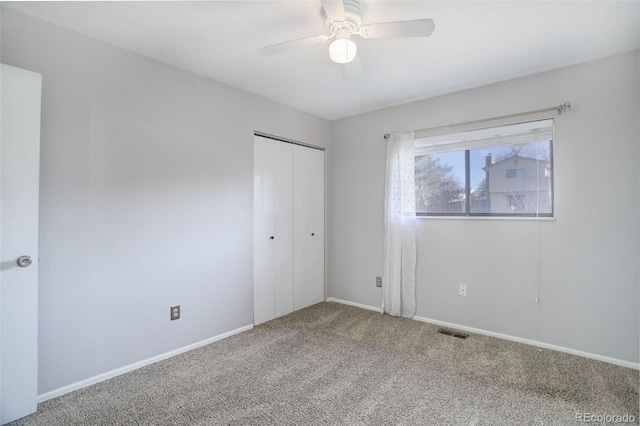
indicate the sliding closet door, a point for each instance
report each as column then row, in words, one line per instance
column 283, row 227
column 308, row 226
column 263, row 245
column 272, row 230
column 288, row 228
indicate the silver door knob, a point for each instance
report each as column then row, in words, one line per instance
column 24, row 261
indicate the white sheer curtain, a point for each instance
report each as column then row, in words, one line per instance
column 399, row 288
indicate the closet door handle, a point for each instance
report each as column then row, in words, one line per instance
column 24, row 261
column 272, row 237
column 312, row 234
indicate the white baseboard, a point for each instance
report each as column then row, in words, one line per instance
column 537, row 343
column 127, row 368
column 357, row 305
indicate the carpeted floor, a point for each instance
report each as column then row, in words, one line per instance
column 336, row 364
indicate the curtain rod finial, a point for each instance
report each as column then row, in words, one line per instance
column 565, row 106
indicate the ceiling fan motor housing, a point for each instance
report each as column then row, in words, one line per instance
column 353, row 10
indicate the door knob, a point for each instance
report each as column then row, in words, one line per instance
column 271, row 238
column 24, row 261
column 313, row 233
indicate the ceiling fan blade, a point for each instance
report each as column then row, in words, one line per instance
column 353, row 69
column 417, row 28
column 301, row 42
column 334, row 9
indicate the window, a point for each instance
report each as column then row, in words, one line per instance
column 499, row 171
column 516, row 173
column 439, row 188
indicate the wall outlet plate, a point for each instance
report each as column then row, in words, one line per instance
column 378, row 281
column 175, row 312
column 463, row 290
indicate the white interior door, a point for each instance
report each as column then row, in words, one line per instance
column 283, row 226
column 308, row 226
column 19, row 189
column 263, row 231
column 273, row 229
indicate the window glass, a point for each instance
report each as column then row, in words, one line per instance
column 504, row 178
column 511, row 179
column 440, row 183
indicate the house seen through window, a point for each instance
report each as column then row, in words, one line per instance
column 499, row 171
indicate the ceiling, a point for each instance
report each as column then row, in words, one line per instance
column 474, row 43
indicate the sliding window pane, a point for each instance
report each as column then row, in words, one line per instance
column 440, row 183
column 512, row 179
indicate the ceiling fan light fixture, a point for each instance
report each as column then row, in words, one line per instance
column 342, row 50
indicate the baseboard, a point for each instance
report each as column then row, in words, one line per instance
column 122, row 370
column 357, row 305
column 620, row 362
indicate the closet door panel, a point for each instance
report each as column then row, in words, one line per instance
column 316, row 291
column 283, row 227
column 308, row 226
column 263, row 229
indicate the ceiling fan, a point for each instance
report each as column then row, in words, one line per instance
column 343, row 19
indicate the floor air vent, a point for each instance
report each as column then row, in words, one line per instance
column 453, row 333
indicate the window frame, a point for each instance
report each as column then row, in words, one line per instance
column 467, row 179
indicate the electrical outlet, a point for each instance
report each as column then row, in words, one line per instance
column 175, row 312
column 378, row 281
column 463, row 290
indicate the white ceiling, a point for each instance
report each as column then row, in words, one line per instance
column 474, row 43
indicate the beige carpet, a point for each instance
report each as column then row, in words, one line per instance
column 336, row 364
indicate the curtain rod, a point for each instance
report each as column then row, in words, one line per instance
column 560, row 108
column 291, row 141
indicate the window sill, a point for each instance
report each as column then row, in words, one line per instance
column 518, row 218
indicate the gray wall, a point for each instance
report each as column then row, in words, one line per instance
column 146, row 200
column 584, row 264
